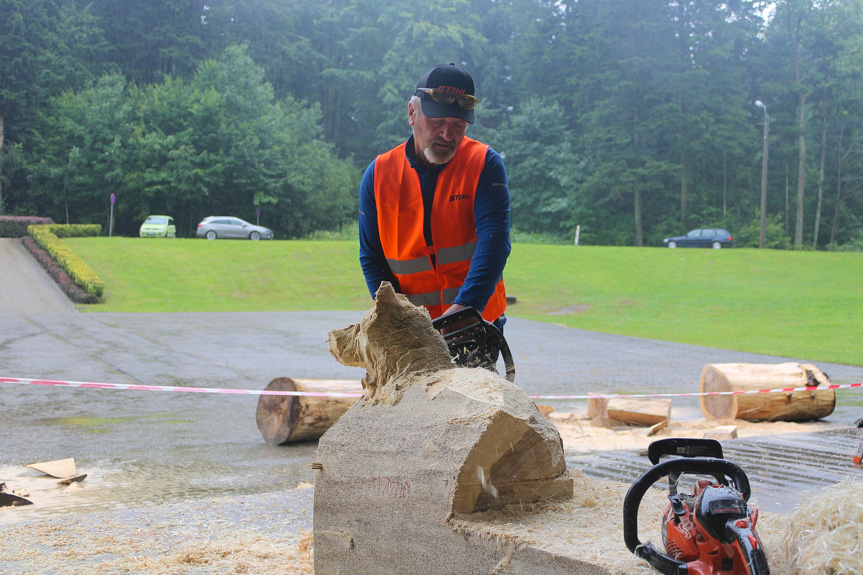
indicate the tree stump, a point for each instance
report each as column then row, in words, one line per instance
column 285, row 419
column 778, row 406
column 428, row 442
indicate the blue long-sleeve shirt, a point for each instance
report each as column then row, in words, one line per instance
column 491, row 216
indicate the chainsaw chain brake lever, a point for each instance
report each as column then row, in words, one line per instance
column 474, row 342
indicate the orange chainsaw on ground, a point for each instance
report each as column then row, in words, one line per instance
column 709, row 532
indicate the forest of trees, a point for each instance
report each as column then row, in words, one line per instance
column 632, row 119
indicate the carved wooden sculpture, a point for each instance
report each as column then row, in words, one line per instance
column 428, row 443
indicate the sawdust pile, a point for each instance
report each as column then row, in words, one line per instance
column 824, row 535
column 586, row 527
column 73, row 549
column 579, row 435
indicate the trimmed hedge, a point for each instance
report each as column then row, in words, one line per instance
column 75, row 292
column 48, row 237
column 16, row 226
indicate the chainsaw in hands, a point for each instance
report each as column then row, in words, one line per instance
column 708, row 532
column 474, row 342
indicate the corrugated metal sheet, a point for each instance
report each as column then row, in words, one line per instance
column 781, row 468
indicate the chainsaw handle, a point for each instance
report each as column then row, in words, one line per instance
column 750, row 548
column 718, row 468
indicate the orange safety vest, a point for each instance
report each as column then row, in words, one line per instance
column 398, row 197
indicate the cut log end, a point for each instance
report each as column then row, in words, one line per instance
column 286, row 419
column 804, row 405
column 277, row 415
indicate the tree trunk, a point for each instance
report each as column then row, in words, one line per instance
column 684, row 191
column 777, row 406
column 821, row 174
column 801, row 172
column 834, row 228
column 787, row 201
column 724, row 183
column 285, row 419
column 2, row 144
column 794, row 22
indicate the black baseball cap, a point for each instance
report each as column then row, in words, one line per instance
column 452, row 79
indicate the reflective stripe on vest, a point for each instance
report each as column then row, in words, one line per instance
column 398, row 198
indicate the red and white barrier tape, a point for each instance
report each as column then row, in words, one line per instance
column 135, row 387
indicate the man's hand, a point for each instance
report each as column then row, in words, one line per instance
column 456, row 326
column 454, row 308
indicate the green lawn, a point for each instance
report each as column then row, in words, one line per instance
column 797, row 304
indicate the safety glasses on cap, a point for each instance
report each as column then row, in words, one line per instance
column 465, row 102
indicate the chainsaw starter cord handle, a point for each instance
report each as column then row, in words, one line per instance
column 718, row 468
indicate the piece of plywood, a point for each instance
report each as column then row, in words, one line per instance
column 59, row 468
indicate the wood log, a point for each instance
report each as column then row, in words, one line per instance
column 644, row 412
column 285, row 419
column 777, row 406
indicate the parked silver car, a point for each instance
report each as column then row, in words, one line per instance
column 229, row 227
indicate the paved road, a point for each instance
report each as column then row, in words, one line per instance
column 25, row 288
column 146, row 448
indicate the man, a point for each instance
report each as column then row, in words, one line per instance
column 434, row 211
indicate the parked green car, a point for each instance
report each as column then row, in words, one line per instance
column 158, row 227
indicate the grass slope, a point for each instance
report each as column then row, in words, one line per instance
column 795, row 304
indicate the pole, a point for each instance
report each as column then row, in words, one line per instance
column 577, row 232
column 111, row 221
column 762, row 233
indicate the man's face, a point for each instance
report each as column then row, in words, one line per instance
column 436, row 139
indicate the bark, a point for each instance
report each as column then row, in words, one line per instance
column 777, row 406
column 286, row 419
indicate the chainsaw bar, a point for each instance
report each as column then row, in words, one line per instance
column 474, row 342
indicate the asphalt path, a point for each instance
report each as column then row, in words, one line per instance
column 150, row 448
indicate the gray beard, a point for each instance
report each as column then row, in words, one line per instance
column 436, row 156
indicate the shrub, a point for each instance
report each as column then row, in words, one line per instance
column 16, row 226
column 69, row 287
column 66, row 258
column 774, row 234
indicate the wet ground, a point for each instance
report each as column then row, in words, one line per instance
column 144, row 448
column 148, row 449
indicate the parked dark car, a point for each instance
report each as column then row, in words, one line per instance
column 229, row 227
column 701, row 238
